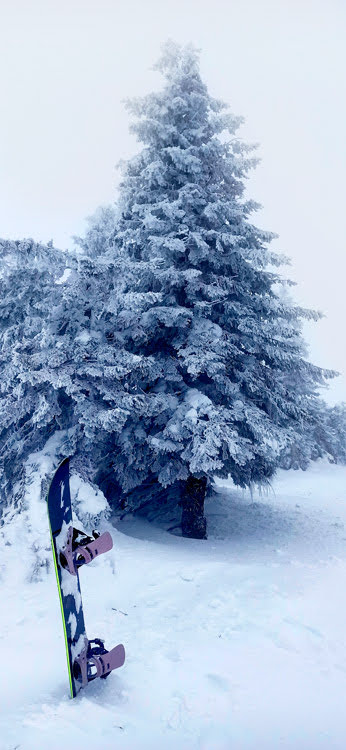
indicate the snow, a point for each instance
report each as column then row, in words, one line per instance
column 64, row 277
column 90, row 501
column 73, row 624
column 84, row 337
column 197, row 399
column 237, row 642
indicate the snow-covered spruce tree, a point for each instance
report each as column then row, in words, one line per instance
column 63, row 365
column 76, row 357
column 98, row 239
column 335, row 426
column 29, row 272
column 90, row 364
column 322, row 434
column 226, row 346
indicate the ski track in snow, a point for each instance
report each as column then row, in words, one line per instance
column 234, row 643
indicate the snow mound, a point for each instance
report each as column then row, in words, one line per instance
column 88, row 502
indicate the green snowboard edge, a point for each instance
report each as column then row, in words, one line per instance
column 60, row 599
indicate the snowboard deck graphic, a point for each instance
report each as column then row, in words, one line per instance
column 85, row 662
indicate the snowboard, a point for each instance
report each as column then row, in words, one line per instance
column 86, row 660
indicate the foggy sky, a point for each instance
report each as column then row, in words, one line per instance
column 65, row 68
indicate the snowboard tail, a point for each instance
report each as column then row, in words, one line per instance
column 71, row 549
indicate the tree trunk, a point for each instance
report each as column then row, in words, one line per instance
column 193, row 521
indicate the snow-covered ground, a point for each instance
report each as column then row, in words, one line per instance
column 236, row 642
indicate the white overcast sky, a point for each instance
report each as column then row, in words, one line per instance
column 66, row 67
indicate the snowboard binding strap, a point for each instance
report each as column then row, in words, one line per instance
column 81, row 549
column 95, row 661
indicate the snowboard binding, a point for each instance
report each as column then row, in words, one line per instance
column 95, row 661
column 80, row 549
